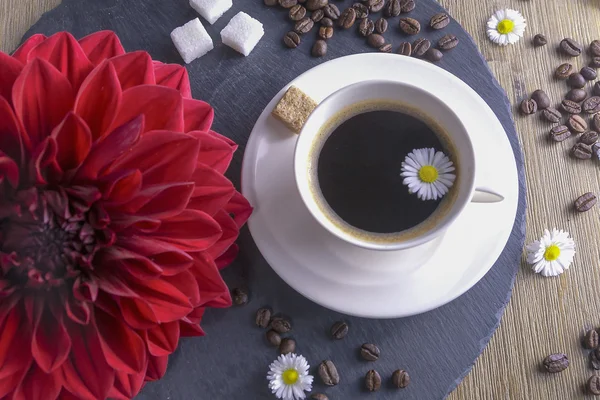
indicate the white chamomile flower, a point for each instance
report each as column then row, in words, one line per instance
column 552, row 254
column 288, row 377
column 506, row 27
column 428, row 173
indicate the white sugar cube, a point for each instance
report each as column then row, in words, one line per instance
column 211, row 10
column 242, row 33
column 192, row 40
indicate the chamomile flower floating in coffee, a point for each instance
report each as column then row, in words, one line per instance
column 288, row 377
column 506, row 27
column 552, row 254
column 428, row 173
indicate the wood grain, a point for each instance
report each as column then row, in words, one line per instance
column 544, row 315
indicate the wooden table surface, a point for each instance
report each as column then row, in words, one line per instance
column 545, row 315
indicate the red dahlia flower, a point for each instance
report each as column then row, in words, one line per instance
column 114, row 217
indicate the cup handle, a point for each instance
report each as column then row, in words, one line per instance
column 485, row 195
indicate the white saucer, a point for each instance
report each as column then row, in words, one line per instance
column 362, row 282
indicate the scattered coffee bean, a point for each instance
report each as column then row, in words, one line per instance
column 539, row 40
column 541, row 98
column 556, row 363
column 410, row 26
column 559, row 133
column 287, row 346
column 588, row 73
column 288, row 3
column 434, row 55
column 594, row 361
column 596, row 149
column 593, row 385
column 563, row 71
column 271, row 3
column 595, row 48
column 263, row 317
column 319, row 396
column 577, row 124
column 313, row 5
column 317, row 15
column 362, row 11
column 595, row 62
column 281, row 325
column 372, row 381
column 239, row 296
column 375, row 5
column 528, row 107
column 570, row 107
column 576, row 80
column 339, row 330
column 576, row 95
column 448, row 42
column 327, row 22
column 393, row 9
column 304, row 26
column 291, row 40
column 328, row 373
column 589, row 138
column 582, row 151
column 570, row 47
column 332, row 11
column 420, row 47
column 297, row 12
column 366, row 27
column 386, row 48
column 400, row 379
column 552, row 115
column 584, row 203
column 347, row 18
column 405, row 49
column 596, row 122
column 325, row 32
column 319, row 49
column 375, row 40
column 407, row 6
column 369, row 352
column 273, row 338
column 591, row 105
column 381, row 26
column 439, row 21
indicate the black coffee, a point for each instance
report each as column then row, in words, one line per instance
column 359, row 170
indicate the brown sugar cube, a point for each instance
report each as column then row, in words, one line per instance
column 294, row 108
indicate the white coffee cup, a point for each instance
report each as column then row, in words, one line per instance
column 415, row 98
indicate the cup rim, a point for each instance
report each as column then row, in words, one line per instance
column 391, row 246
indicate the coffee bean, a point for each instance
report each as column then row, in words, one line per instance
column 281, row 325
column 347, row 18
column 386, row 48
column 410, row 26
column 595, row 62
column 319, row 396
column 287, row 346
column 594, row 361
column 584, row 203
column 591, row 105
column 596, row 149
column 576, row 80
column 570, row 107
column 556, row 363
column 570, row 47
column 559, row 133
column 448, row 42
column 291, row 40
column 373, row 381
column 273, row 338
column 563, row 71
column 271, row 3
column 297, row 12
column 339, row 330
column 393, row 9
column 362, row 11
column 319, row 49
column 405, row 49
column 332, row 11
column 528, row 107
column 317, row 15
column 439, row 21
column 434, row 55
column 595, row 48
column 588, row 73
column 369, row 352
column 313, row 5
column 552, row 115
column 420, row 47
column 325, row 32
column 576, row 95
column 263, row 317
column 593, row 385
column 541, row 98
column 288, row 3
column 539, row 40
column 589, row 138
column 327, row 22
column 375, row 40
column 239, row 296
column 328, row 373
column 375, row 5
column 407, row 6
column 400, row 379
column 596, row 122
column 577, row 124
column 381, row 25
column 582, row 151
column 366, row 27
column 304, row 26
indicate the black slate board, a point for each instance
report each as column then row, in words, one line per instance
column 437, row 348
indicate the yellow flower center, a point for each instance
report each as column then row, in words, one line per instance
column 290, row 376
column 428, row 173
column 552, row 253
column 505, row 26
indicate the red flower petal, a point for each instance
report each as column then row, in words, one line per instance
column 186, row 282
column 51, row 343
column 162, row 339
column 174, row 76
column 198, row 115
column 168, row 256
column 240, row 208
column 78, row 311
column 99, row 99
column 130, row 262
column 13, row 139
column 212, row 192
column 42, row 96
column 228, row 257
column 166, row 301
column 23, row 51
column 190, row 231
column 63, row 51
column 74, row 140
column 214, row 151
column 189, row 329
column 111, row 281
column 137, row 313
column 160, row 201
column 173, row 263
column 9, row 170
column 101, row 45
column 127, row 386
column 10, row 68
column 15, row 343
column 39, row 385
column 157, row 366
column 43, row 157
column 134, row 69
column 11, row 383
column 230, row 234
column 213, row 290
